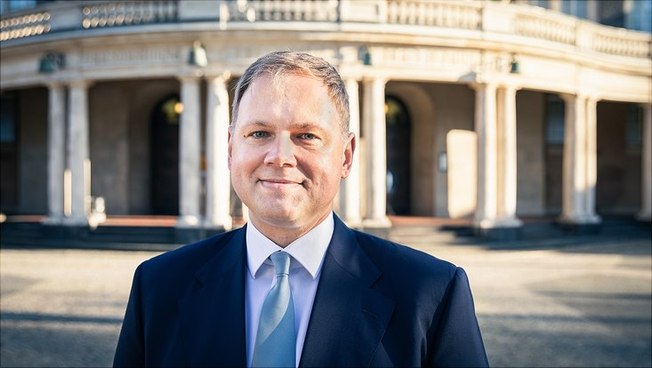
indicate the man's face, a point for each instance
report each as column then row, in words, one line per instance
column 287, row 152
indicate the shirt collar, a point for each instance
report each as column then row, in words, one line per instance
column 308, row 250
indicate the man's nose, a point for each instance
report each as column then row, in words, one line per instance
column 281, row 152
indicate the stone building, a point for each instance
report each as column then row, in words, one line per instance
column 493, row 111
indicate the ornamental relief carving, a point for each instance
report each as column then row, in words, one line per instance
column 141, row 57
column 426, row 58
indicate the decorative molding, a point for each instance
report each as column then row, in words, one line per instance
column 132, row 56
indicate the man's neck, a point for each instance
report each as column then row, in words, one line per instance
column 283, row 234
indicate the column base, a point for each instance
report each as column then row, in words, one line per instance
column 379, row 227
column 499, row 229
column 584, row 219
column 188, row 221
column 354, row 223
column 581, row 225
column 382, row 222
column 75, row 221
column 225, row 223
column 644, row 216
column 54, row 220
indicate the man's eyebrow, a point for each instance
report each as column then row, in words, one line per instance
column 304, row 126
column 259, row 123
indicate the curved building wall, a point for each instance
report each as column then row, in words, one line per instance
column 476, row 66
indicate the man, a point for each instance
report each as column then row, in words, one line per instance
column 350, row 299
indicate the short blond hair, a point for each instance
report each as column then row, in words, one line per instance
column 282, row 63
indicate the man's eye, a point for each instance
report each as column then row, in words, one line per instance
column 307, row 136
column 259, row 134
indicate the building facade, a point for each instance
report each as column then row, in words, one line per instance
column 494, row 111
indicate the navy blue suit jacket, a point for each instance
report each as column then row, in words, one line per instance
column 377, row 304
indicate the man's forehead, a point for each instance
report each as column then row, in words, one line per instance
column 281, row 79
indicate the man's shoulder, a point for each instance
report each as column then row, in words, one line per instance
column 191, row 256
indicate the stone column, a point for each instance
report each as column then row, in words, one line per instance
column 507, row 159
column 189, row 154
column 350, row 187
column 576, row 187
column 485, row 127
column 218, row 182
column 78, row 153
column 646, row 169
column 56, row 152
column 591, row 155
column 376, row 155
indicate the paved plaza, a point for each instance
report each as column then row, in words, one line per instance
column 586, row 304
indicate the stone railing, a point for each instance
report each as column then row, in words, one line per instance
column 616, row 41
column 542, row 25
column 283, row 10
column 31, row 24
column 448, row 14
column 109, row 14
column 530, row 23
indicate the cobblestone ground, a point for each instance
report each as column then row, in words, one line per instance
column 585, row 305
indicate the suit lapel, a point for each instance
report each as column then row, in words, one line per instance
column 349, row 317
column 213, row 314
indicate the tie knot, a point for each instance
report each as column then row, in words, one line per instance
column 281, row 261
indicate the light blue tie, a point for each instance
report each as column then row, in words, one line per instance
column 276, row 338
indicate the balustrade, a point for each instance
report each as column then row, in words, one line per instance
column 526, row 21
column 435, row 13
column 545, row 26
column 283, row 10
column 31, row 24
column 97, row 15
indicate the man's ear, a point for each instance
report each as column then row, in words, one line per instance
column 349, row 150
column 229, row 146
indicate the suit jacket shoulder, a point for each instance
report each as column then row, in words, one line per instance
column 186, row 307
column 380, row 303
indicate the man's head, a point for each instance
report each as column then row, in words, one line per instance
column 282, row 63
column 289, row 146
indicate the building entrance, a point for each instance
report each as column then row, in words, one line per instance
column 399, row 133
column 164, row 185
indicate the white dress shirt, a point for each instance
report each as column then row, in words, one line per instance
column 307, row 256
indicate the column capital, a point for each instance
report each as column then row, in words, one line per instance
column 79, row 83
column 481, row 85
column 190, row 77
column 373, row 78
column 224, row 76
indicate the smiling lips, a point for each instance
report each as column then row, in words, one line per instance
column 279, row 182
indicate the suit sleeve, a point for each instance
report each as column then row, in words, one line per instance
column 130, row 351
column 456, row 339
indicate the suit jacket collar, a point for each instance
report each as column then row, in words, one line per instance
column 349, row 316
column 347, row 323
column 213, row 313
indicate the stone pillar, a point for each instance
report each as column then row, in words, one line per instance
column 646, row 169
column 507, row 159
column 485, row 127
column 591, row 155
column 78, row 153
column 218, row 182
column 376, row 155
column 576, row 187
column 189, row 154
column 350, row 187
column 56, row 152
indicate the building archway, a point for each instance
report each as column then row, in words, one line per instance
column 399, row 133
column 164, row 135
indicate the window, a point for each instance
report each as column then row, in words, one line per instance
column 7, row 118
column 554, row 115
column 576, row 8
column 634, row 127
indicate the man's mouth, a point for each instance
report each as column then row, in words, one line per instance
column 279, row 182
